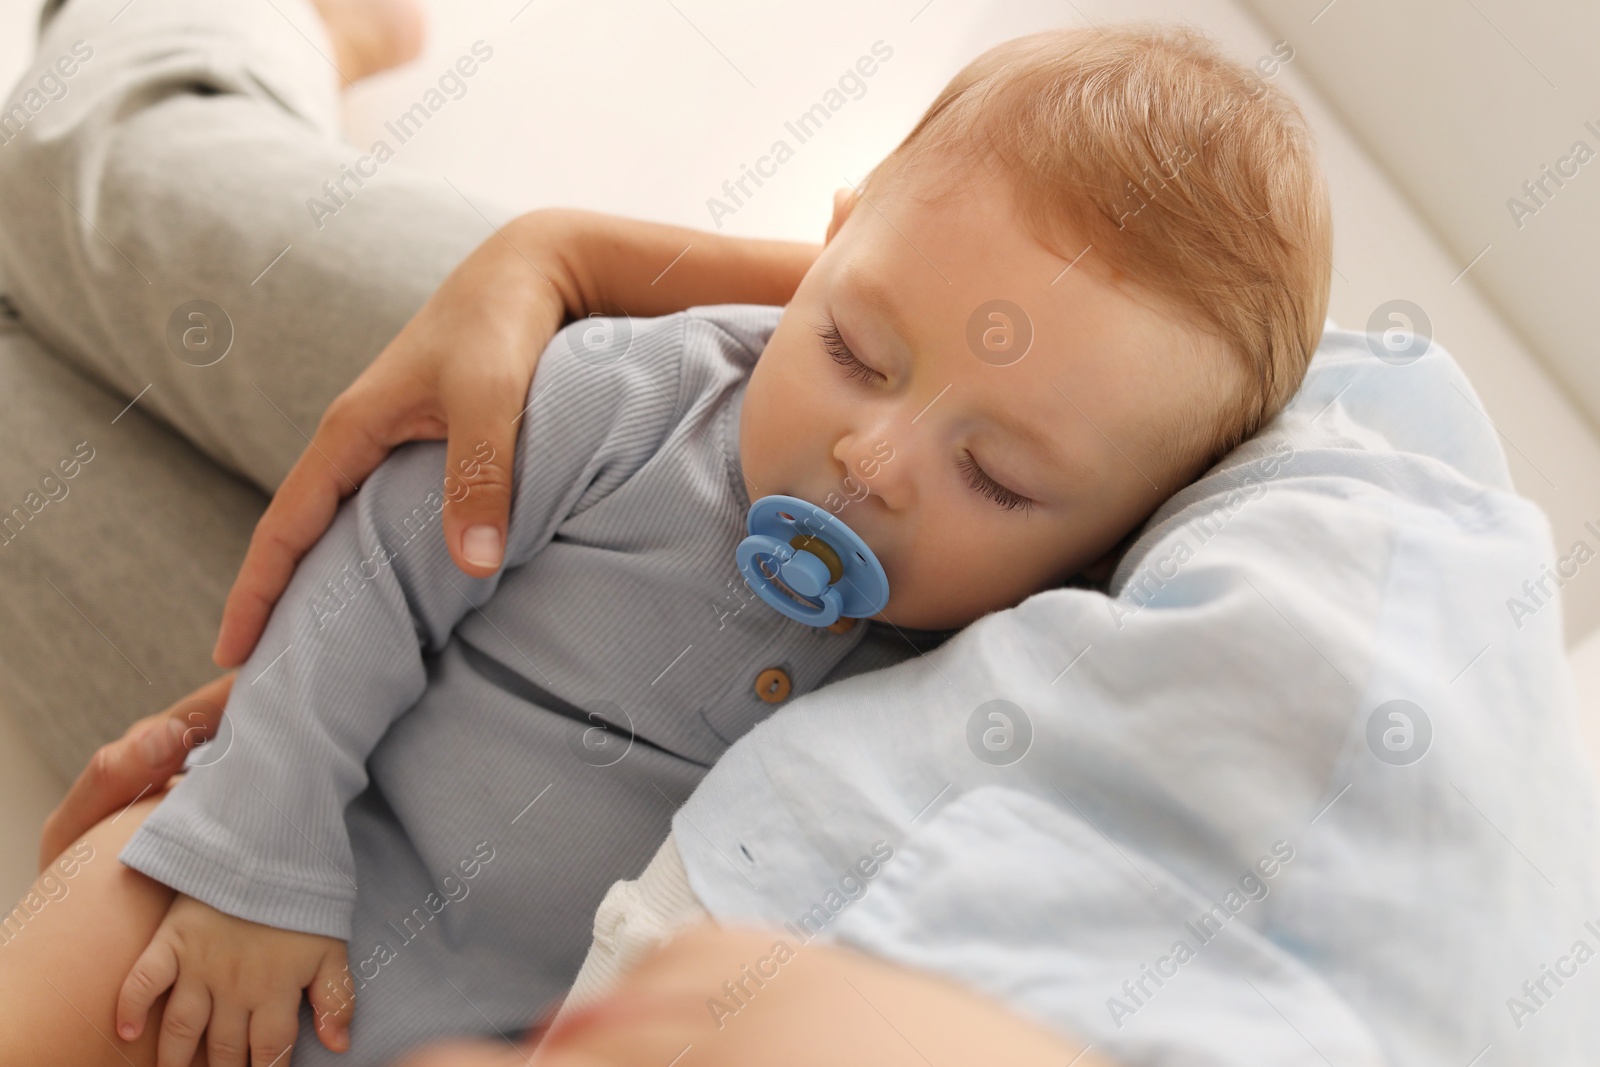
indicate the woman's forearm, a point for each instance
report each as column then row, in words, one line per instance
column 613, row 265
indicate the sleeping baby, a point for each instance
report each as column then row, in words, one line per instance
column 1097, row 262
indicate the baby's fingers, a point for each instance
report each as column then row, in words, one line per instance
column 153, row 973
column 332, row 995
column 188, row 1011
column 228, row 1035
column 273, row 1028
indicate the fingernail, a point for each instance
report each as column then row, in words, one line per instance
column 481, row 546
column 126, row 1030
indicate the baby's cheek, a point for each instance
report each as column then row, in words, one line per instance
column 777, row 429
column 932, row 594
column 963, row 584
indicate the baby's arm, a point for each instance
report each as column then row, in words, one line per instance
column 256, row 828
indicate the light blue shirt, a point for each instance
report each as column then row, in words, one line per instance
column 1306, row 789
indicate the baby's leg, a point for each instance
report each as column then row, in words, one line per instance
column 67, row 946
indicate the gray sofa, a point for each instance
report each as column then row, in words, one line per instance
column 112, row 580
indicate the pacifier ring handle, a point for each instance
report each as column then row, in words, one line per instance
column 798, row 597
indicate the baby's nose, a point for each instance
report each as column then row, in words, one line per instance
column 874, row 465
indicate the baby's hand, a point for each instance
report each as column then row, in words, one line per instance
column 239, row 982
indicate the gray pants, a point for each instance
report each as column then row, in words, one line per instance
column 155, row 166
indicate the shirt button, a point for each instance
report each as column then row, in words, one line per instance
column 773, row 685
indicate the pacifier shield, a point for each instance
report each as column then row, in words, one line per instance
column 808, row 564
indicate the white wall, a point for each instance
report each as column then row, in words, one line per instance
column 1460, row 103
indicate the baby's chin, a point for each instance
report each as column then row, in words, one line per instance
column 911, row 614
column 916, row 609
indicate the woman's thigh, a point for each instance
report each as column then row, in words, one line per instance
column 67, row 947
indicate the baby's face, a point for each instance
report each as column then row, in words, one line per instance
column 976, row 480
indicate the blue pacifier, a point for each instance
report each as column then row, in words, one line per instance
column 806, row 563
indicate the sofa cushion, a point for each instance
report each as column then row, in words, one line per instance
column 118, row 544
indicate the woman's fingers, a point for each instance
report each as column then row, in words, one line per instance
column 301, row 509
column 485, row 418
column 134, row 765
column 333, row 1000
column 659, row 1008
column 228, row 1035
column 273, row 1028
column 460, row 367
column 482, row 1054
column 351, row 440
column 188, row 1011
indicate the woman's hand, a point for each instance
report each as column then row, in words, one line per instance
column 810, row 1006
column 141, row 761
column 237, row 982
column 461, row 368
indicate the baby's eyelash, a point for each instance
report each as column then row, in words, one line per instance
column 980, row 481
column 833, row 341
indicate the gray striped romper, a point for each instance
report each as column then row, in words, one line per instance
column 450, row 772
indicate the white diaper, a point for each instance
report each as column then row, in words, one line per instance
column 634, row 918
